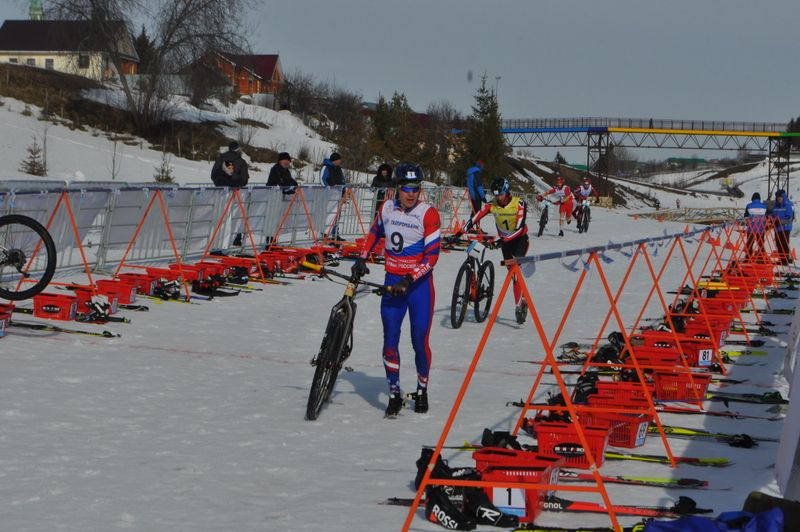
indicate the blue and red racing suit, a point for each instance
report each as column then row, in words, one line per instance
column 412, row 248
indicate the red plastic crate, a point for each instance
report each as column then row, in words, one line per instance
column 680, row 386
column 144, row 283
column 698, row 352
column 719, row 305
column 84, row 295
column 239, row 262
column 214, row 268
column 625, row 429
column 55, row 306
column 5, row 317
column 561, row 441
column 621, row 390
column 509, row 465
column 124, row 291
column 163, row 273
column 698, row 328
column 190, row 271
column 610, row 401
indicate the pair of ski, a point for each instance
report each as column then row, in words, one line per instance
column 57, row 329
column 684, row 506
column 106, row 319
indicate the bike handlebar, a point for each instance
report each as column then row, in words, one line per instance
column 351, row 278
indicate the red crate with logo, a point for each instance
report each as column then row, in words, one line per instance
column 124, row 291
column 681, row 386
column 239, row 262
column 214, row 268
column 84, row 296
column 144, row 283
column 5, row 317
column 698, row 352
column 627, row 430
column 190, row 272
column 698, row 328
column 621, row 390
column 509, row 465
column 560, row 440
column 55, row 306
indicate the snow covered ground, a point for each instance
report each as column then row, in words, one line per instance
column 193, row 420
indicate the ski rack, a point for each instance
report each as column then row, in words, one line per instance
column 157, row 195
column 515, row 272
column 347, row 195
column 63, row 199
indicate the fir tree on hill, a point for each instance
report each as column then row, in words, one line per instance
column 482, row 140
column 34, row 163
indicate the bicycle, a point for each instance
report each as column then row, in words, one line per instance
column 474, row 284
column 337, row 343
column 27, row 255
column 543, row 218
column 584, row 216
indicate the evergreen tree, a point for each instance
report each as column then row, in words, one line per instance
column 144, row 48
column 34, row 164
column 395, row 134
column 482, row 140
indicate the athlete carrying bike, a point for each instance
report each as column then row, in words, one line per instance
column 581, row 194
column 510, row 213
column 563, row 199
column 411, row 229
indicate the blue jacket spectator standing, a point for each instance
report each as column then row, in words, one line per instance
column 477, row 196
column 755, row 214
column 783, row 213
column 332, row 174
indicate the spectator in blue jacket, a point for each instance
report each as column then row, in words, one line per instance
column 332, row 174
column 477, row 196
column 755, row 214
column 783, row 213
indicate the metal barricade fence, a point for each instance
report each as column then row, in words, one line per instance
column 111, row 220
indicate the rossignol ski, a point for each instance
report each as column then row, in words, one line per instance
column 56, row 328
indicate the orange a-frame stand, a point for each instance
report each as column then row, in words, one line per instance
column 297, row 195
column 63, row 200
column 243, row 211
column 347, row 196
column 165, row 218
column 551, row 363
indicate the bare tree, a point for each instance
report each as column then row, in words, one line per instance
column 183, row 31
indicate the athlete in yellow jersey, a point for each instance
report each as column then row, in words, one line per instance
column 509, row 213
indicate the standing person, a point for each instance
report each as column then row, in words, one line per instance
column 332, row 175
column 510, row 214
column 412, row 230
column 280, row 176
column 783, row 211
column 477, row 196
column 564, row 201
column 677, row 203
column 583, row 192
column 381, row 182
column 755, row 214
column 238, row 177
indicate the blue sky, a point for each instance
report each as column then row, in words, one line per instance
column 695, row 59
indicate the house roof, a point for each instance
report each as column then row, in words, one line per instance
column 58, row 36
column 263, row 65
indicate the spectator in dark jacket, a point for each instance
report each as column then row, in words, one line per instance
column 240, row 175
column 280, row 176
column 755, row 214
column 783, row 213
column 477, row 195
column 381, row 181
column 331, row 174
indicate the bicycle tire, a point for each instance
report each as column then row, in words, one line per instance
column 542, row 221
column 587, row 217
column 329, row 361
column 485, row 291
column 25, row 244
column 460, row 301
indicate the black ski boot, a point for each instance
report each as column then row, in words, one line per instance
column 395, row 405
column 521, row 311
column 561, row 233
column 420, row 400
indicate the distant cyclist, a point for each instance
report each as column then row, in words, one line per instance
column 582, row 193
column 564, row 200
column 510, row 213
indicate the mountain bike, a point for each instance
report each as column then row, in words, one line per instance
column 543, row 218
column 584, row 216
column 27, row 257
column 337, row 344
column 474, row 284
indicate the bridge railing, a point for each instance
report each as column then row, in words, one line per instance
column 645, row 123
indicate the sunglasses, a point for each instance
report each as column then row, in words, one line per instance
column 410, row 188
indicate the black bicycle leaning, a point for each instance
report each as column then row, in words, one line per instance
column 474, row 284
column 337, row 344
column 584, row 216
column 543, row 218
column 27, row 257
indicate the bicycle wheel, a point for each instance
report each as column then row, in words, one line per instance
column 27, row 257
column 485, row 291
column 458, row 307
column 542, row 221
column 335, row 346
column 587, row 217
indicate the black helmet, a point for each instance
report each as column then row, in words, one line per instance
column 500, row 186
column 408, row 173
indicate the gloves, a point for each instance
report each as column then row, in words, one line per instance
column 400, row 287
column 496, row 244
column 359, row 268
